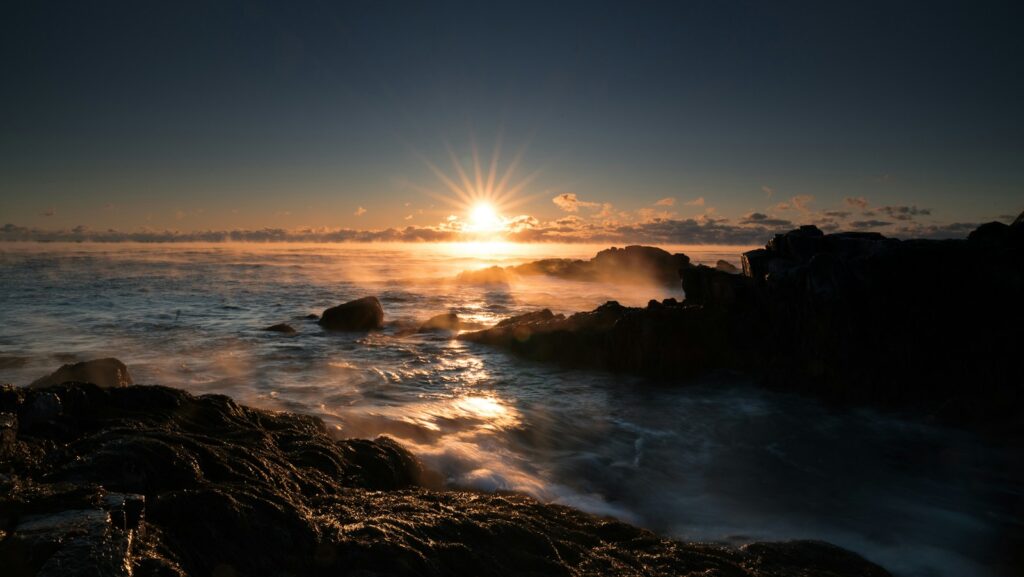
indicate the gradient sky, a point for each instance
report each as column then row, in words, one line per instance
column 197, row 116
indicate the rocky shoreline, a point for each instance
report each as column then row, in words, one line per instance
column 148, row 481
column 930, row 327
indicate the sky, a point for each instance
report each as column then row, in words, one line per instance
column 683, row 122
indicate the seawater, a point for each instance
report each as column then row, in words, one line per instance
column 710, row 460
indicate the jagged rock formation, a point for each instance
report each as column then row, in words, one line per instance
column 152, row 481
column 857, row 318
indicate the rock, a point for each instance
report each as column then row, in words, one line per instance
column 442, row 322
column 540, row 316
column 152, row 481
column 494, row 275
column 8, row 434
column 107, row 372
column 631, row 265
column 281, row 328
column 853, row 318
column 359, row 315
column 705, row 285
column 312, row 317
column 726, row 266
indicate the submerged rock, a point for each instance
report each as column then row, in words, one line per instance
column 281, row 328
column 108, row 372
column 442, row 322
column 359, row 315
column 149, row 481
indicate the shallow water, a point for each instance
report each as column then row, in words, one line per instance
column 716, row 460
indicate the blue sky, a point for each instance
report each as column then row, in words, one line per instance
column 193, row 117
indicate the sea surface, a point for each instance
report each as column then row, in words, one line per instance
column 709, row 460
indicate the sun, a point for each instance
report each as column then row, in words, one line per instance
column 484, row 218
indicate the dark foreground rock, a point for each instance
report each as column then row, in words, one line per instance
column 632, row 264
column 153, row 481
column 928, row 326
column 107, row 372
column 359, row 315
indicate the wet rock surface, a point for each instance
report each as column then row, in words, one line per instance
column 107, row 372
column 154, row 481
column 359, row 315
column 855, row 318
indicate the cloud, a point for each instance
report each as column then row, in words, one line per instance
column 360, row 211
column 869, row 223
column 800, row 202
column 904, row 212
column 48, row 212
column 759, row 218
column 767, row 190
column 699, row 201
column 669, row 201
column 836, row 213
column 569, row 202
column 856, row 202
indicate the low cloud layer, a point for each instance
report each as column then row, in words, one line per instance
column 582, row 221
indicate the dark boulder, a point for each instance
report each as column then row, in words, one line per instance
column 108, row 372
column 359, row 315
column 151, row 481
column 442, row 322
column 281, row 328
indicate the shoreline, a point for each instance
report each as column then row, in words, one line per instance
column 167, row 483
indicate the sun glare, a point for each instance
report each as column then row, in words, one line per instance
column 484, row 218
column 483, row 194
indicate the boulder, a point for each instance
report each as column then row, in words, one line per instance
column 359, row 315
column 281, row 328
column 442, row 322
column 108, row 372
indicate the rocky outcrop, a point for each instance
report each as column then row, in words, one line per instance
column 151, row 481
column 857, row 318
column 107, row 372
column 632, row 265
column 359, row 315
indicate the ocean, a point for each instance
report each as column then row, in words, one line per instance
column 715, row 459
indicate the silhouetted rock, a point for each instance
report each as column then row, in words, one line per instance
column 726, row 266
column 151, row 481
column 359, row 315
column 632, row 265
column 856, row 318
column 107, row 372
column 281, row 328
column 442, row 322
column 312, row 317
